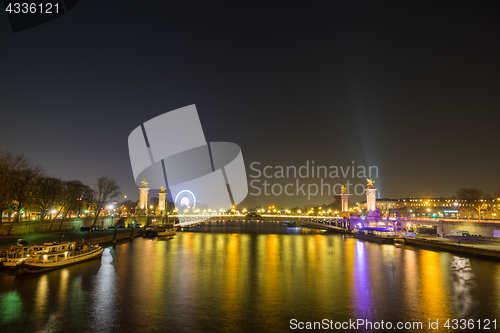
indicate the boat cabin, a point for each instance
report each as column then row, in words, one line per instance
column 51, row 252
column 378, row 231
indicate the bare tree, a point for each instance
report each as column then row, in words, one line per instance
column 74, row 196
column 106, row 190
column 471, row 198
column 128, row 206
column 25, row 180
column 9, row 164
column 87, row 202
column 154, row 201
column 337, row 203
column 170, row 206
column 46, row 194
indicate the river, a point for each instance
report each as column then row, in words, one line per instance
column 251, row 276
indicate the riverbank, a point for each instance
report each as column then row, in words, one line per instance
column 21, row 228
column 488, row 251
column 96, row 237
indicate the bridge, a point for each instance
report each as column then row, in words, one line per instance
column 483, row 228
column 332, row 223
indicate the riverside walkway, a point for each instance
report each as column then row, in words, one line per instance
column 101, row 237
column 470, row 247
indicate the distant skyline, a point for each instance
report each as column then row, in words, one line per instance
column 411, row 88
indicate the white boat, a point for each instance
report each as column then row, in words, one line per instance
column 56, row 255
column 167, row 231
column 16, row 255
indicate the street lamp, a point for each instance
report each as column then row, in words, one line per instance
column 110, row 207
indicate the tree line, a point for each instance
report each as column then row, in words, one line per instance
column 475, row 200
column 25, row 186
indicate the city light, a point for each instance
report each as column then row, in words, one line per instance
column 313, row 93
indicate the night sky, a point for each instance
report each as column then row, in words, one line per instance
column 409, row 86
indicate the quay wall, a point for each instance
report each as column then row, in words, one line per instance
column 460, row 249
column 484, row 229
column 35, row 227
column 119, row 237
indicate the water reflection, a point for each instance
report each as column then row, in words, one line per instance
column 434, row 297
column 104, row 309
column 463, row 284
column 41, row 297
column 11, row 307
column 409, row 286
column 361, row 284
column 208, row 281
column 231, row 303
column 271, row 282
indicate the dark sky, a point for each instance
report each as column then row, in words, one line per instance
column 409, row 86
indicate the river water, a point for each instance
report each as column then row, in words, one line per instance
column 252, row 276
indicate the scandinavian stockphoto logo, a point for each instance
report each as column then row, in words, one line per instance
column 171, row 151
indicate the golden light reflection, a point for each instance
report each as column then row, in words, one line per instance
column 410, row 281
column 41, row 297
column 497, row 290
column 315, row 253
column 185, row 274
column 270, row 284
column 233, row 298
column 348, row 281
column 63, row 287
column 158, row 284
column 433, row 294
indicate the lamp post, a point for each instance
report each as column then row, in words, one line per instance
column 79, row 206
column 110, row 214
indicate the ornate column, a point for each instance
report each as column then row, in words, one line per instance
column 142, row 207
column 371, row 198
column 345, row 201
column 161, row 202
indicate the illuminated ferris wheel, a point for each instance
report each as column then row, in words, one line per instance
column 185, row 198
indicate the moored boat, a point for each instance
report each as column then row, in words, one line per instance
column 56, row 255
column 167, row 231
column 292, row 224
column 17, row 254
column 3, row 257
column 375, row 234
column 398, row 242
column 150, row 232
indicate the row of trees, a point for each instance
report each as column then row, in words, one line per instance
column 475, row 200
column 25, row 186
